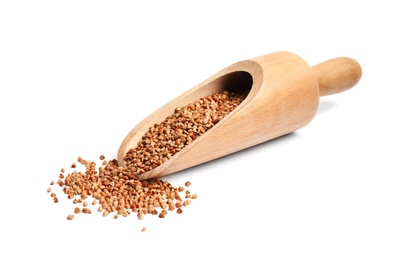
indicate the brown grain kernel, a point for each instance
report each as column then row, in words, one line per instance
column 171, row 207
column 52, row 183
column 144, row 229
column 181, row 188
column 102, row 157
column 105, row 213
column 86, row 211
column 56, row 200
column 161, row 215
column 60, row 183
column 53, row 195
column 179, row 211
column 73, row 165
column 194, row 196
column 70, row 217
column 49, row 190
column 187, row 184
column 115, row 216
column 94, row 202
column 178, row 204
column 61, row 176
column 84, row 195
column 77, row 210
column 85, row 203
column 62, row 170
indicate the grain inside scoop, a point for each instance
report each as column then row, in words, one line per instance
column 264, row 98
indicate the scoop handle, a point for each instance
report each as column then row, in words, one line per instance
column 337, row 75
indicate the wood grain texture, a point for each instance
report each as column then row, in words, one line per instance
column 284, row 96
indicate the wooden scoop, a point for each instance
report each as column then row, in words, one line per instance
column 283, row 96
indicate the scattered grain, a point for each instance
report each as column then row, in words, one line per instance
column 117, row 189
column 70, row 217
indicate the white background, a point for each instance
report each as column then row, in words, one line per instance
column 76, row 76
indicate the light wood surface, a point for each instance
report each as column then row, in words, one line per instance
column 284, row 96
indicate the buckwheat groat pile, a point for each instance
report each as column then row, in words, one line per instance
column 186, row 124
column 116, row 190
